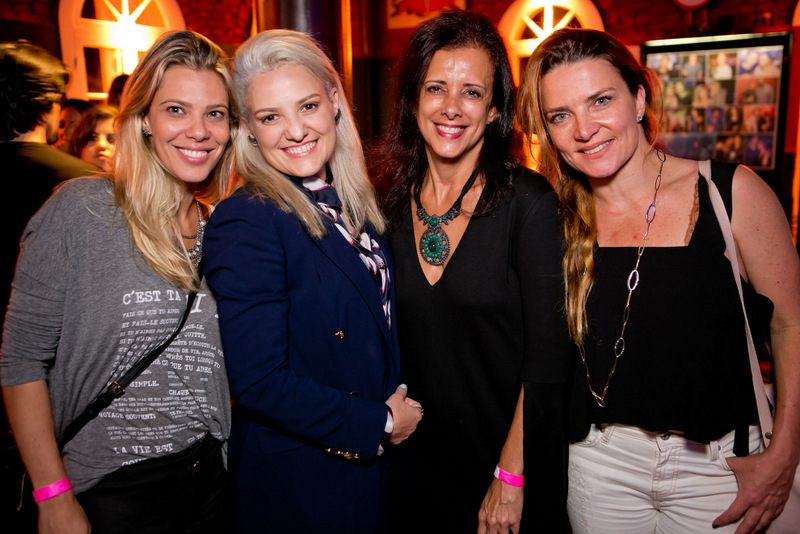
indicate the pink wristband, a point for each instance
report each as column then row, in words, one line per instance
column 508, row 478
column 51, row 490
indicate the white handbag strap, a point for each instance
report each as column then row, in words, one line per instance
column 764, row 413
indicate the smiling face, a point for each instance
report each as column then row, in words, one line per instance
column 591, row 116
column 99, row 148
column 455, row 103
column 291, row 115
column 188, row 119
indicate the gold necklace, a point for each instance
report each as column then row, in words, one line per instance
column 633, row 283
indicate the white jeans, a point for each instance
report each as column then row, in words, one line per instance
column 625, row 480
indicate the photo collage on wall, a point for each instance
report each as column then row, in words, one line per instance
column 721, row 104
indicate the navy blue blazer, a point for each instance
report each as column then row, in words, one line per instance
column 311, row 361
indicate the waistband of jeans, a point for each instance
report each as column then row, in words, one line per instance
column 641, row 433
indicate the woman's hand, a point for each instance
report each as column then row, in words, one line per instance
column 765, row 482
column 501, row 509
column 28, row 409
column 63, row 514
column 406, row 414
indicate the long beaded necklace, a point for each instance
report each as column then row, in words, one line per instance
column 195, row 252
column 633, row 283
column 434, row 244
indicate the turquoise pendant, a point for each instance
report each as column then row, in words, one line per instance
column 434, row 245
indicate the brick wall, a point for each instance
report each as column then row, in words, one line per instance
column 633, row 21
column 41, row 11
column 224, row 22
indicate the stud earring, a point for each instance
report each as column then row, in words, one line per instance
column 146, row 132
column 337, row 116
column 253, row 140
column 639, row 118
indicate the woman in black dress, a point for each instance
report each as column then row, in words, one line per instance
column 477, row 244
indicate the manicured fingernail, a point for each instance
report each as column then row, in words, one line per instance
column 403, row 386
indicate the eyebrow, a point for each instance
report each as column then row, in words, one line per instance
column 468, row 84
column 174, row 101
column 302, row 101
column 185, row 104
column 590, row 98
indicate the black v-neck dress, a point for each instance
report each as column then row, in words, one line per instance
column 493, row 318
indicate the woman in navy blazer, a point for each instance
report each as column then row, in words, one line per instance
column 304, row 287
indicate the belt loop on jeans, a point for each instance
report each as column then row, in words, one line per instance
column 713, row 450
column 606, row 431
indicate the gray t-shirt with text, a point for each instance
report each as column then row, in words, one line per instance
column 84, row 307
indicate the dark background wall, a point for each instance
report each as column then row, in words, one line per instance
column 375, row 47
column 228, row 22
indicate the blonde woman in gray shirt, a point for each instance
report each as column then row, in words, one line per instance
column 103, row 277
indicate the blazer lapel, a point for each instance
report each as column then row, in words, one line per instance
column 334, row 246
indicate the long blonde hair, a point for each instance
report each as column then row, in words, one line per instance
column 562, row 47
column 270, row 50
column 145, row 190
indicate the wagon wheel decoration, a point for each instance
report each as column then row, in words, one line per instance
column 526, row 22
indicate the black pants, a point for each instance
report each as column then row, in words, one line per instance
column 186, row 492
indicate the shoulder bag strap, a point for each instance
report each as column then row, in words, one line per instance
column 117, row 387
column 764, row 413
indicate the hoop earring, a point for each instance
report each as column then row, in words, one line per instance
column 253, row 140
column 337, row 116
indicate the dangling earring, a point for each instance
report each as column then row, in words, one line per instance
column 253, row 140
column 337, row 116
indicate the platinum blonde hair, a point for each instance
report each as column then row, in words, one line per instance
column 147, row 192
column 271, row 50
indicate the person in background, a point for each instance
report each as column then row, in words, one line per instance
column 71, row 112
column 305, row 287
column 717, row 94
column 663, row 417
column 723, row 69
column 93, row 140
column 767, row 66
column 115, row 90
column 105, row 273
column 764, row 92
column 693, row 69
column 32, row 85
column 477, row 242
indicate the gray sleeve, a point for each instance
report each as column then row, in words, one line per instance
column 33, row 321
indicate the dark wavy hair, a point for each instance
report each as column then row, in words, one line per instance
column 31, row 81
column 115, row 90
column 85, row 127
column 398, row 162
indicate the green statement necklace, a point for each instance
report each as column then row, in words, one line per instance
column 434, row 245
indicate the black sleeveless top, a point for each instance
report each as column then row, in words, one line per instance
column 685, row 365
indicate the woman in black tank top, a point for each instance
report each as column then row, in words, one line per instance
column 663, row 420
